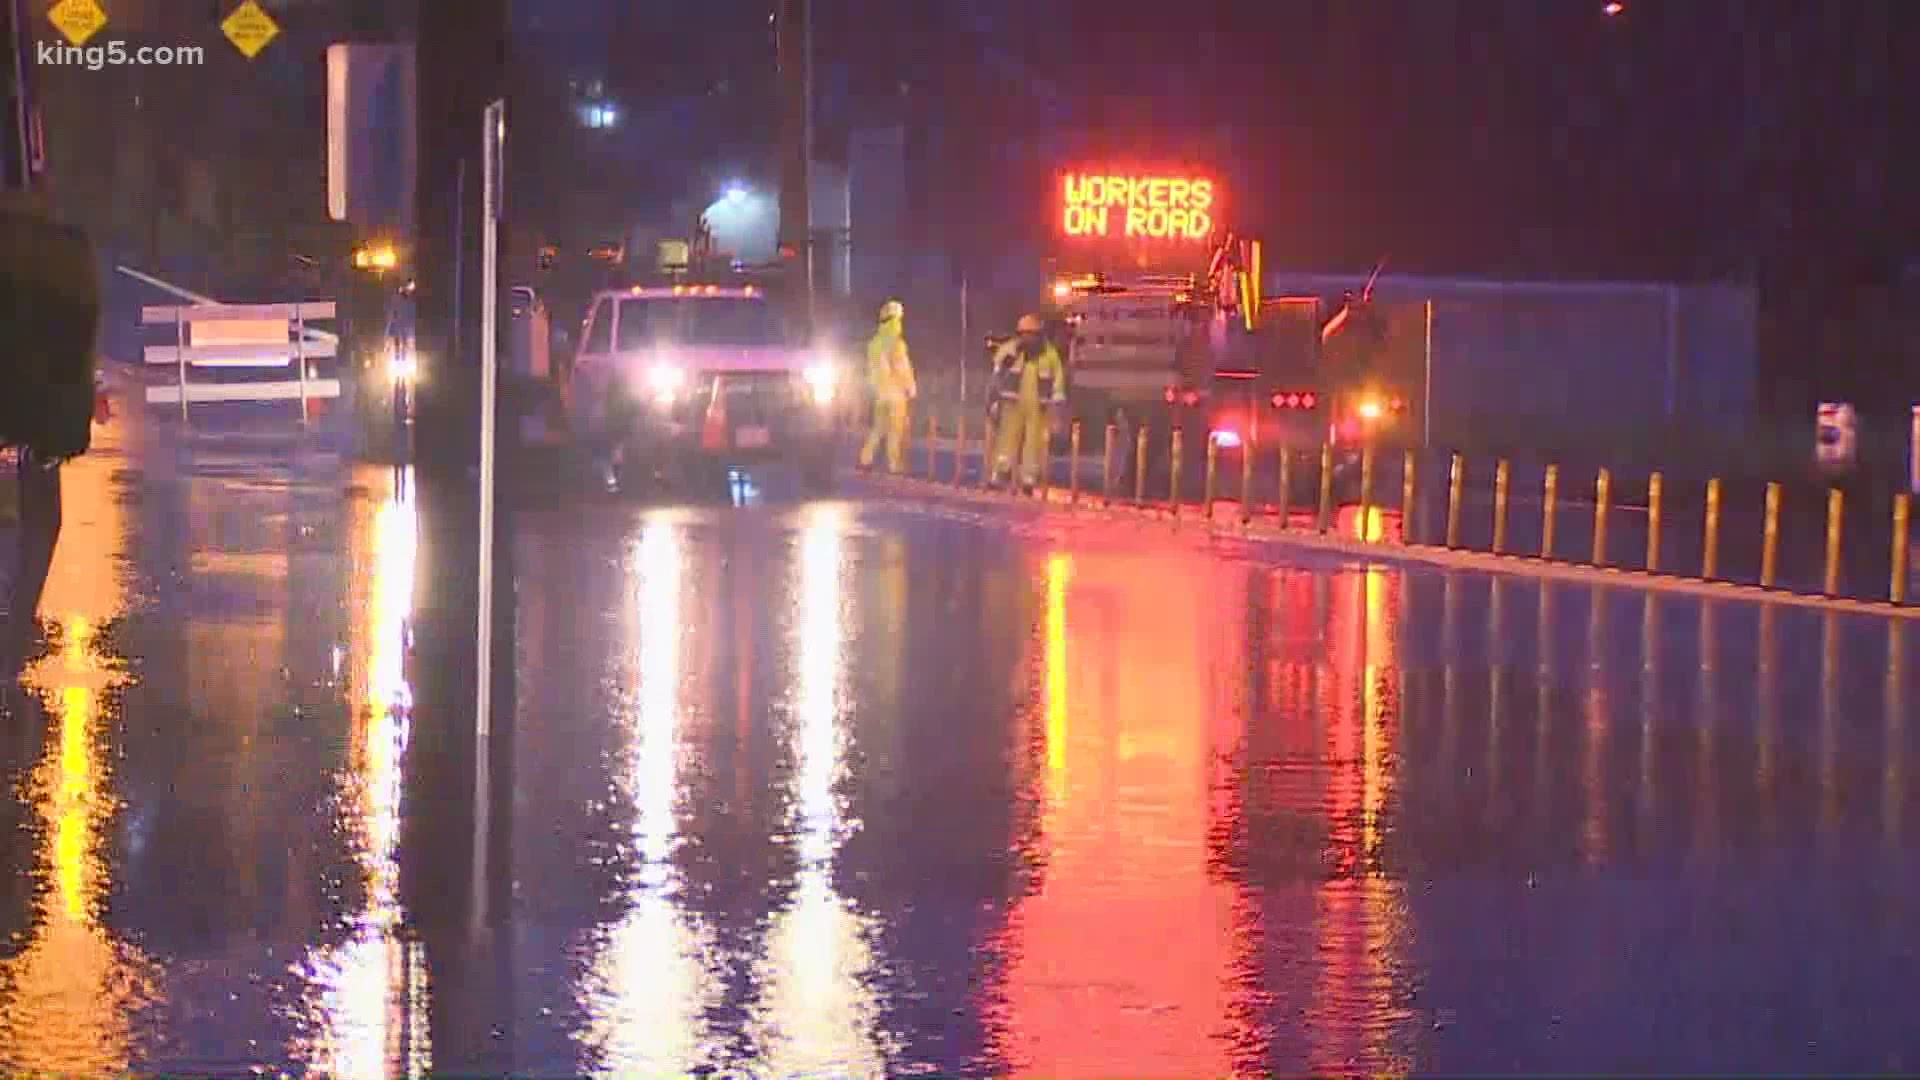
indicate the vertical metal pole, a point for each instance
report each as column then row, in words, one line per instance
column 1213, row 466
column 1770, row 538
column 493, row 132
column 1324, row 521
column 1456, row 480
column 959, row 443
column 1044, row 489
column 1073, row 466
column 1902, row 512
column 300, row 356
column 806, row 165
column 1836, row 512
column 1913, row 466
column 180, row 356
column 933, row 441
column 1173, row 483
column 1106, row 464
column 1140, row 468
column 1410, row 499
column 1655, row 485
column 19, row 35
column 1502, row 475
column 1549, row 511
column 988, row 434
column 1426, row 402
column 1286, row 484
column 1710, row 548
column 966, row 346
column 1602, row 502
column 1246, row 479
column 459, row 266
column 1366, row 490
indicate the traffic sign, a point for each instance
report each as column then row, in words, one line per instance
column 77, row 20
column 250, row 29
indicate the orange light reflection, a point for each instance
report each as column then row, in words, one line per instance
column 68, row 997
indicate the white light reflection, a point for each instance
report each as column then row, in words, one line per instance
column 369, row 1004
column 646, row 991
column 820, row 1013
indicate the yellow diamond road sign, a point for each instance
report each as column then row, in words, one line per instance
column 250, row 28
column 77, row 20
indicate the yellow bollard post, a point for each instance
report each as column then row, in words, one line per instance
column 1366, row 490
column 1502, row 476
column 1106, row 464
column 1549, row 511
column 1325, row 518
column 1409, row 498
column 1140, row 468
column 1286, row 484
column 1710, row 545
column 1897, row 585
column 1073, row 467
column 1457, row 477
column 1213, row 466
column 1246, row 479
column 1770, row 538
column 1173, row 482
column 1602, row 504
column 1655, row 485
column 1836, row 511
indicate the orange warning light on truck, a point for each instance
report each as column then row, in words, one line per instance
column 1132, row 207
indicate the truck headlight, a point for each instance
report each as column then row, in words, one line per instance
column 664, row 382
column 823, row 381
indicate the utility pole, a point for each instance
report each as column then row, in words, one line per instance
column 22, row 106
column 793, row 47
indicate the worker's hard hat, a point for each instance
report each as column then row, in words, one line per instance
column 891, row 310
column 1030, row 324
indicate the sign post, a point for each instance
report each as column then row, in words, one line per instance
column 1913, row 454
column 492, row 145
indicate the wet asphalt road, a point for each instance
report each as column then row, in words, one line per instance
column 865, row 787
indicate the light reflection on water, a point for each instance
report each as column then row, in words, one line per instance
column 71, row 996
column 365, row 1003
column 646, row 988
column 817, row 1015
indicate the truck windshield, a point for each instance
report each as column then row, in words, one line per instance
column 741, row 322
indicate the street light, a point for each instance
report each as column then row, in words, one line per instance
column 378, row 258
column 736, row 193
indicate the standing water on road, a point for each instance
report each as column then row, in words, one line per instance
column 871, row 788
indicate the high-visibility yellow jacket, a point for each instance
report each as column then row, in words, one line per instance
column 1040, row 378
column 889, row 368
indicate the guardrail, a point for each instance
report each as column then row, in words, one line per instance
column 947, row 452
column 241, row 336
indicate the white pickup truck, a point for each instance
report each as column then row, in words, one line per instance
column 674, row 383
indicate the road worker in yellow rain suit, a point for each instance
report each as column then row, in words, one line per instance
column 1028, row 379
column 890, row 378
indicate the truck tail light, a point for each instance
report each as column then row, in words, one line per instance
column 1192, row 397
column 1398, row 404
column 1171, row 395
column 1309, row 401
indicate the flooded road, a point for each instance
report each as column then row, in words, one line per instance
column 867, row 788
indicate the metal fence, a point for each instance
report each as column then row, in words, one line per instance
column 1775, row 537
